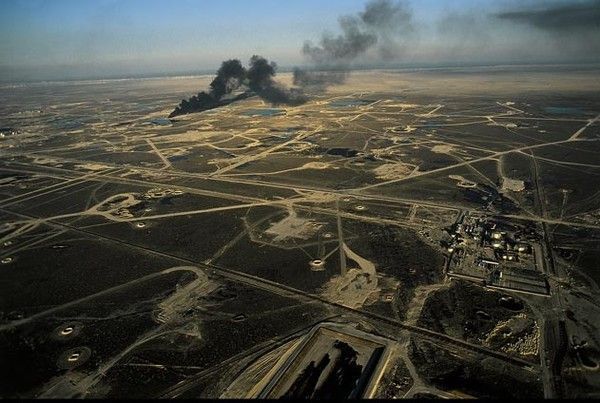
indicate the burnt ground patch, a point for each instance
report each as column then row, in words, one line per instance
column 399, row 253
column 477, row 315
column 476, row 375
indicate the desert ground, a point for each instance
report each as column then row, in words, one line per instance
column 452, row 214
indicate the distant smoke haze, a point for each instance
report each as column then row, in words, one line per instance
column 558, row 17
column 571, row 29
column 386, row 33
column 76, row 39
column 381, row 26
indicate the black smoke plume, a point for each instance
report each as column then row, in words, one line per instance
column 259, row 79
column 229, row 78
column 382, row 25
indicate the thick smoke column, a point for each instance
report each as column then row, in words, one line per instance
column 260, row 80
column 228, row 79
column 231, row 76
column 382, row 25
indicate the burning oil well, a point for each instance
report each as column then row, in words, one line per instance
column 381, row 28
column 258, row 80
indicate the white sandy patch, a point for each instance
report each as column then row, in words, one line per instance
column 151, row 175
column 514, row 185
column 442, row 149
column 45, row 161
column 91, row 166
column 392, row 171
column 462, row 182
column 293, row 227
column 194, row 136
column 116, row 208
column 176, row 152
column 316, row 165
column 519, row 327
column 402, row 105
column 357, row 286
column 159, row 193
column 175, row 306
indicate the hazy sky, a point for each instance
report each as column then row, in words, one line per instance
column 50, row 39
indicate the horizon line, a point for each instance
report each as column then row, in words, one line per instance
column 288, row 69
